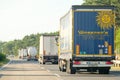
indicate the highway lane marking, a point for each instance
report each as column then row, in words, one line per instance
column 54, row 74
column 48, row 70
column 5, row 65
column 42, row 68
column 57, row 75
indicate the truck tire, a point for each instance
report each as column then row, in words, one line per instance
column 61, row 66
column 70, row 69
column 39, row 62
column 63, row 69
column 104, row 71
column 43, row 62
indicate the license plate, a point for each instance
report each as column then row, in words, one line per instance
column 92, row 64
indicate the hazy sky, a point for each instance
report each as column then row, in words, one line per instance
column 19, row 18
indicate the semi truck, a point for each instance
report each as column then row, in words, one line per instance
column 19, row 54
column 86, row 39
column 22, row 53
column 32, row 53
column 48, row 50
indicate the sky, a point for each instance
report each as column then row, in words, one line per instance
column 19, row 18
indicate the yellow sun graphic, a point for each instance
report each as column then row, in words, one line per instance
column 105, row 19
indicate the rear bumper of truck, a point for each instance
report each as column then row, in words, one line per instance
column 85, row 64
column 93, row 61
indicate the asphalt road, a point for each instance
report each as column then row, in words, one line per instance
column 32, row 70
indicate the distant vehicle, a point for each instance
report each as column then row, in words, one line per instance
column 86, row 39
column 11, row 56
column 48, row 51
column 22, row 53
column 32, row 53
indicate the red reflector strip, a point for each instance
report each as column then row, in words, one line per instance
column 76, row 62
column 109, row 62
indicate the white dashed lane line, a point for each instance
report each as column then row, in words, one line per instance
column 57, row 75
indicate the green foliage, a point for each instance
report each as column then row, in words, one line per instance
column 117, row 41
column 2, row 57
column 1, row 43
column 116, row 3
column 97, row 2
column 12, row 47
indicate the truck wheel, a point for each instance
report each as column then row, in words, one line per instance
column 43, row 62
column 70, row 69
column 61, row 66
column 39, row 62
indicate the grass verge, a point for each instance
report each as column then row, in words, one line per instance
column 115, row 68
column 4, row 62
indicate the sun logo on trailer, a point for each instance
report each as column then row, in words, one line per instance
column 105, row 19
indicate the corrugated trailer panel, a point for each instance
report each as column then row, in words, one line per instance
column 89, row 35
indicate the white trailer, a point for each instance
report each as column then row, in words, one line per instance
column 22, row 53
column 19, row 53
column 32, row 53
column 48, row 51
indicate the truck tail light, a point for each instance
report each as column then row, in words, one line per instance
column 109, row 50
column 108, row 62
column 77, row 49
column 76, row 62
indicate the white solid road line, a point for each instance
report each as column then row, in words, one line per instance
column 5, row 65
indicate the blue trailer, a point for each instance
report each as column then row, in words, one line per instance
column 86, row 39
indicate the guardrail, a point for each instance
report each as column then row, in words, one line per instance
column 116, row 63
